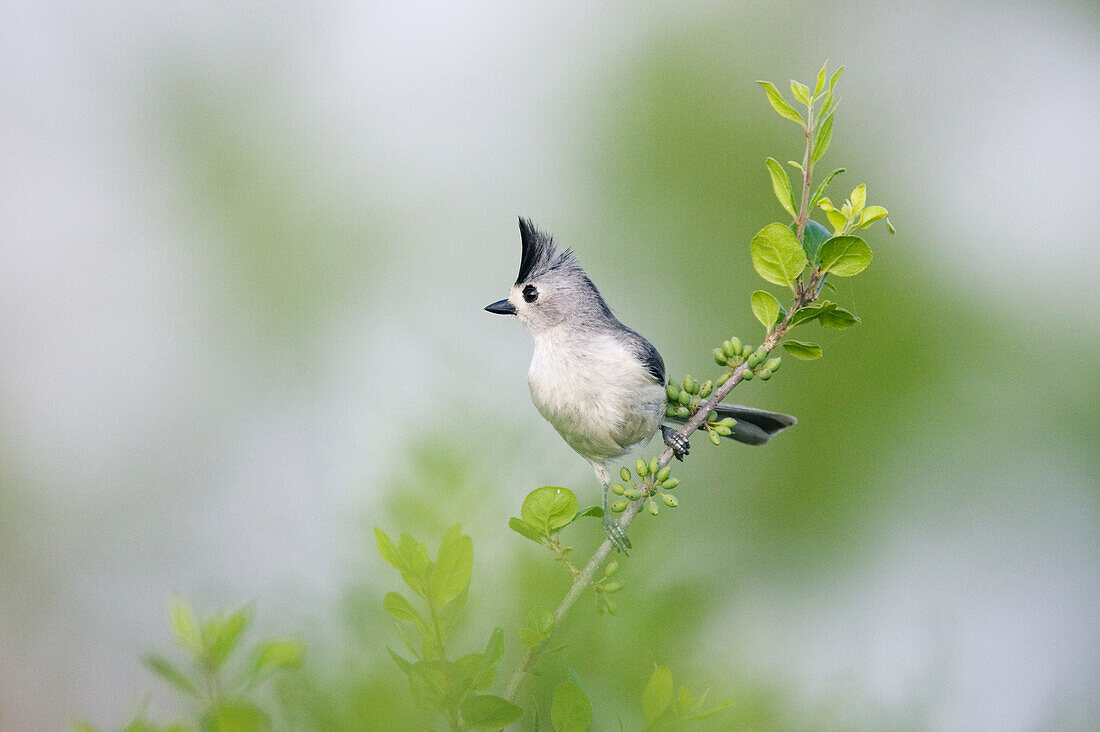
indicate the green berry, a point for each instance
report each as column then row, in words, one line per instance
column 719, row 357
column 724, row 431
column 746, row 350
column 624, row 474
column 631, row 494
column 727, row 422
column 612, row 586
column 772, row 364
column 670, row 410
column 682, row 412
column 714, row 438
column 724, row 377
column 654, row 465
column 670, row 501
column 618, row 506
column 673, row 392
column 765, row 374
column 689, row 384
column 640, row 467
column 751, row 361
column 706, row 388
column 612, row 568
column 712, row 417
column 663, row 473
column 735, row 346
column 671, row 483
column 685, row 398
column 609, row 606
column 653, row 507
column 617, row 489
column 746, row 375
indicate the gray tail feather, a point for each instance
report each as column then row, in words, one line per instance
column 754, row 426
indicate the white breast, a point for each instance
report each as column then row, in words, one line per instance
column 595, row 393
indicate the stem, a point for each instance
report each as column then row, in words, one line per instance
column 804, row 296
column 807, row 175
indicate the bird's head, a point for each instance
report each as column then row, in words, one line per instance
column 551, row 287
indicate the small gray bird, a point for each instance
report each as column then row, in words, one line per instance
column 600, row 384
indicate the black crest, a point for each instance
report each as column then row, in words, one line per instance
column 540, row 255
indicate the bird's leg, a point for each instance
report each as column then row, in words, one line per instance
column 611, row 527
column 676, row 441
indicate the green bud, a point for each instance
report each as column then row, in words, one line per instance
column 727, row 349
column 653, row 507
column 689, row 384
column 727, row 422
column 670, row 410
column 670, row 501
column 617, row 489
column 724, row 431
column 610, row 606
column 685, row 398
column 706, row 388
column 761, row 353
column 772, row 364
column 765, row 374
column 673, row 392
column 735, row 346
column 719, row 357
column 624, row 474
column 712, row 417
column 746, row 375
column 724, row 377
column 654, row 464
column 612, row 568
column 682, row 412
column 714, row 438
column 746, row 349
column 751, row 361
column 641, row 468
column 618, row 506
column 631, row 494
column 612, row 586
column 663, row 473
column 671, row 483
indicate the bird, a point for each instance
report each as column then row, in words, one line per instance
column 600, row 384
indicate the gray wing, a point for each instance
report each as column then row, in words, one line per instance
column 647, row 354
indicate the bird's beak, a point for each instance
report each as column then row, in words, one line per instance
column 501, row 307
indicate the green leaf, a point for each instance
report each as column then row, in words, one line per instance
column 870, row 215
column 837, row 219
column 811, row 312
column 859, row 198
column 813, row 236
column 820, row 192
column 549, row 508
column 450, row 574
column 781, row 184
column 776, row 255
column 801, row 92
column 711, row 712
column 226, row 635
column 165, row 669
column 802, row 350
column 397, row 606
column 822, row 137
column 278, row 654
column 570, row 710
column 431, row 685
column 820, row 85
column 542, row 621
column 401, row 662
column 779, row 104
column 832, row 88
column 524, row 529
column 838, row 318
column 594, row 511
column 235, row 716
column 845, row 256
column 185, row 629
column 388, row 551
column 529, row 637
column 766, row 308
column 488, row 712
column 657, row 695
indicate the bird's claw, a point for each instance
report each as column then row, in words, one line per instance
column 676, row 441
column 616, row 534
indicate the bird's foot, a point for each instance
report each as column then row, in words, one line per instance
column 616, row 534
column 676, row 441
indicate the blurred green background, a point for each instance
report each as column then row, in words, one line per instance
column 243, row 254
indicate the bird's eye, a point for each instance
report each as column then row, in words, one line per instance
column 530, row 294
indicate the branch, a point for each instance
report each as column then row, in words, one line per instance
column 582, row 580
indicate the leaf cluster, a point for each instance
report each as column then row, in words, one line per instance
column 450, row 689
column 218, row 674
column 665, row 710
